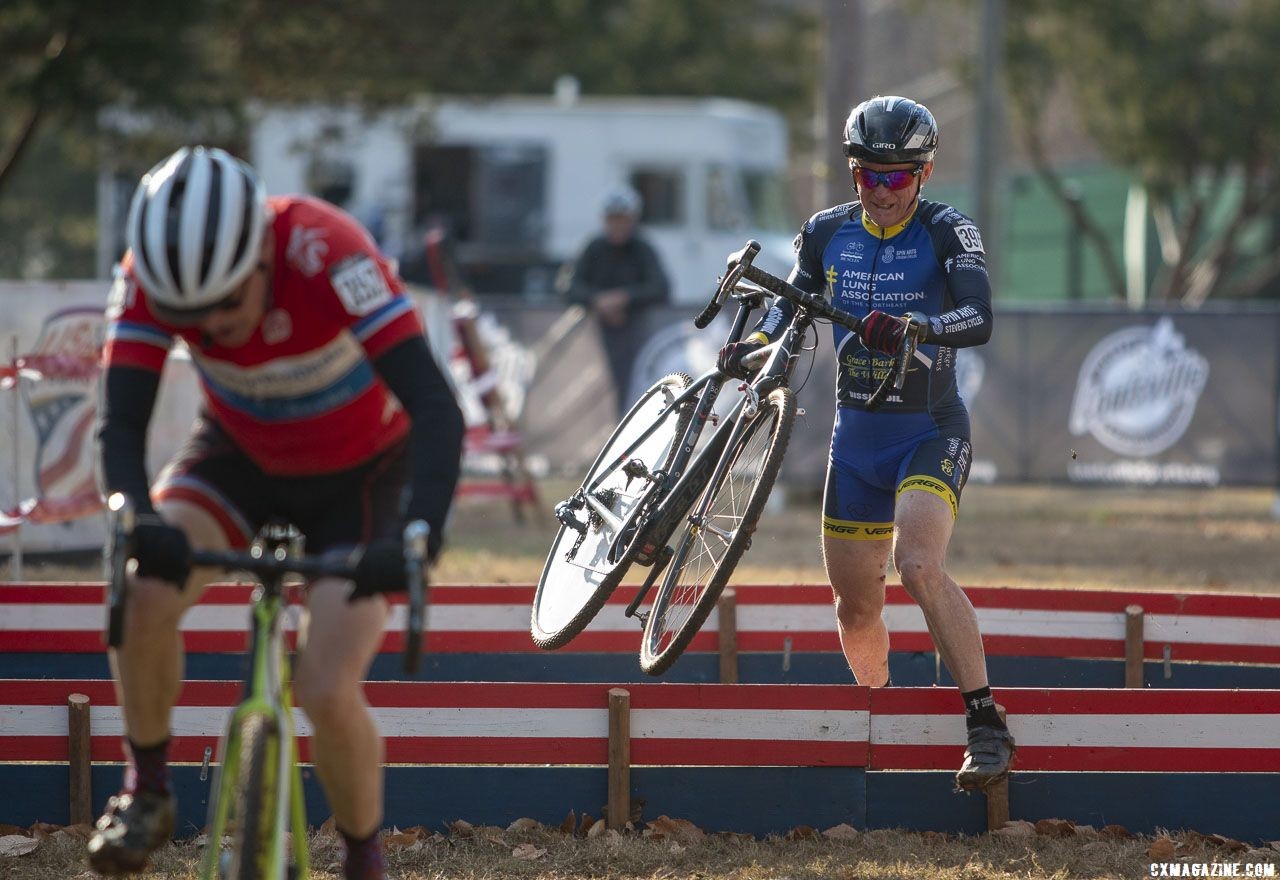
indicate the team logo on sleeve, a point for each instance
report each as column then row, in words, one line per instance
column 360, row 284
column 969, row 238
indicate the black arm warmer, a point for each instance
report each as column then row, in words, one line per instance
column 128, row 396
column 435, row 440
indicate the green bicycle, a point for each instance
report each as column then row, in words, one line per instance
column 258, row 796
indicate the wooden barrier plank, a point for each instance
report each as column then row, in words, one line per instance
column 476, row 619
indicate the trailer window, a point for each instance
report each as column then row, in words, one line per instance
column 662, row 191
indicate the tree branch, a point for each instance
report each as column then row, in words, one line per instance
column 1074, row 208
column 55, row 51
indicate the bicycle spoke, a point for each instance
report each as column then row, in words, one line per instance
column 712, row 542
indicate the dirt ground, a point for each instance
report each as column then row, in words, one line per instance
column 1032, row 536
column 1028, row 536
column 680, row 851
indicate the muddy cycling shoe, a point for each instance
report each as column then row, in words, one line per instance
column 134, row 826
column 987, row 759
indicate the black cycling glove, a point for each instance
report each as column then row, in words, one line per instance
column 162, row 550
column 729, row 361
column 379, row 568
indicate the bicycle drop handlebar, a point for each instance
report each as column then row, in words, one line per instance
column 122, row 519
column 741, row 268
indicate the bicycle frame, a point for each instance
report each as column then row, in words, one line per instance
column 267, row 694
column 689, row 475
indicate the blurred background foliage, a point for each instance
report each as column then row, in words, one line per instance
column 1173, row 99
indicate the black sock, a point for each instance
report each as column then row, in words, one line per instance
column 148, row 768
column 980, row 709
column 363, row 859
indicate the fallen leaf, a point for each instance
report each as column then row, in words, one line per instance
column 841, row 832
column 1016, row 828
column 1055, row 828
column 462, row 828
column 329, row 827
column 528, row 852
column 1161, row 849
column 524, row 824
column 400, row 839
column 1274, row 844
column 17, row 845
column 7, row 830
column 598, row 827
column 41, row 830
column 613, row 835
column 1228, row 843
column 83, row 830
column 1086, row 831
column 677, row 829
column 802, row 832
column 491, row 834
column 570, row 823
column 1116, row 832
column 585, row 824
column 735, row 836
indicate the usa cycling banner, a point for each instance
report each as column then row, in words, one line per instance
column 57, row 383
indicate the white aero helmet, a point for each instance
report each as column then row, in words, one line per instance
column 195, row 229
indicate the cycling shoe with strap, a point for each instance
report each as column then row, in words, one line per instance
column 134, row 826
column 987, row 758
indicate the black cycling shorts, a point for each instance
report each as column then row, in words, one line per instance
column 333, row 510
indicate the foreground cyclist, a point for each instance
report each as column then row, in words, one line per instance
column 322, row 405
column 905, row 265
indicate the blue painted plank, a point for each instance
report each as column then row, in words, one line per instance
column 760, row 801
column 907, row 669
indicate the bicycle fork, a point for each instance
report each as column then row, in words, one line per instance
column 267, row 695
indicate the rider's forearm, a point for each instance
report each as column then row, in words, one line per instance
column 435, row 439
column 129, row 394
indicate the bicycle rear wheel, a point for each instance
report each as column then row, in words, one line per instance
column 587, row 562
column 708, row 548
column 257, row 811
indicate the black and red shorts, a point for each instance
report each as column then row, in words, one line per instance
column 333, row 510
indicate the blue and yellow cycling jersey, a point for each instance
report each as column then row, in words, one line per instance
column 933, row 263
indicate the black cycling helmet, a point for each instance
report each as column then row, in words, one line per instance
column 889, row 129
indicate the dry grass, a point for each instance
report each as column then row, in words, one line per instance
column 1032, row 536
column 543, row 854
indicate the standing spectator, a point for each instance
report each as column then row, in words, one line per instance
column 617, row 277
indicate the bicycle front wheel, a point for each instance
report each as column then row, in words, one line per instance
column 710, row 545
column 257, row 816
column 593, row 549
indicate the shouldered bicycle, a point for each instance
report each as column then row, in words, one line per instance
column 661, row 495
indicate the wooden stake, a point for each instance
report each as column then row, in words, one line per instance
column 1133, row 646
column 619, row 758
column 728, row 614
column 78, row 743
column 998, row 795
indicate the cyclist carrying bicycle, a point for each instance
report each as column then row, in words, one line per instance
column 905, row 265
column 322, row 405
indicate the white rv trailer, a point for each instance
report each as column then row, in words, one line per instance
column 518, row 181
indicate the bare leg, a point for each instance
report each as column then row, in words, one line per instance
column 856, row 570
column 148, row 665
column 923, row 530
column 345, row 744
